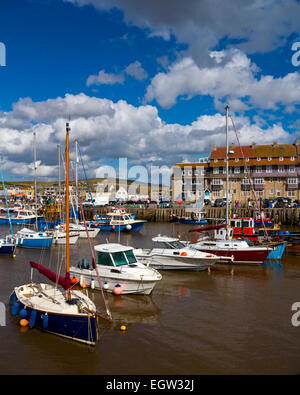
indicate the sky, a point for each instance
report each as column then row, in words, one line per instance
column 144, row 80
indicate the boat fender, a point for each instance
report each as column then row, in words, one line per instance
column 128, row 227
column 23, row 322
column 118, row 289
column 32, row 318
column 92, row 283
column 15, row 308
column 183, row 253
column 23, row 313
column 45, row 321
column 12, row 298
column 105, row 285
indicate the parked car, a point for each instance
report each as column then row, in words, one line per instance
column 220, row 203
column 207, row 202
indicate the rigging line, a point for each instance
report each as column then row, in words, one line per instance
column 249, row 177
column 90, row 244
column 90, row 192
column 5, row 194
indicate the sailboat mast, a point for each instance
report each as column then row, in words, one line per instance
column 76, row 176
column 67, row 206
column 227, row 175
column 35, row 168
column 59, row 183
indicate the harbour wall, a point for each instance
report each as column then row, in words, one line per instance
column 285, row 216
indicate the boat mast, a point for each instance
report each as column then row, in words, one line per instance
column 67, row 208
column 59, row 184
column 227, row 176
column 76, row 177
column 35, row 168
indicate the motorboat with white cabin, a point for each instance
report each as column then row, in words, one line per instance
column 92, row 232
column 169, row 253
column 120, row 272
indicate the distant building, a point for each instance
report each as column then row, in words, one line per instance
column 268, row 171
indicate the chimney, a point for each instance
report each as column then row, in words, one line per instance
column 214, row 147
column 275, row 144
column 253, row 144
column 232, row 146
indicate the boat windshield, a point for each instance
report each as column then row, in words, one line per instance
column 173, row 245
column 130, row 256
column 176, row 245
column 104, row 258
column 120, row 258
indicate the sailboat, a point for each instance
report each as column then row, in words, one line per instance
column 64, row 312
column 236, row 251
column 29, row 238
column 7, row 244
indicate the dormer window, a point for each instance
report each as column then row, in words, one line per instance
column 216, row 160
column 236, row 159
column 269, row 158
column 292, row 158
column 247, row 159
column 258, row 159
column 281, row 158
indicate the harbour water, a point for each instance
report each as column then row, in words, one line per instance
column 233, row 320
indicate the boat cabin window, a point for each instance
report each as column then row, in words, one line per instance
column 104, row 258
column 130, row 256
column 173, row 245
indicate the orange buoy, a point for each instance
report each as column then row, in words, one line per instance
column 24, row 322
column 74, row 280
column 118, row 289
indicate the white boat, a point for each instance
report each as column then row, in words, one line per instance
column 82, row 231
column 169, row 253
column 119, row 271
column 59, row 236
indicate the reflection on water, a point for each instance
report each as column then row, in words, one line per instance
column 233, row 319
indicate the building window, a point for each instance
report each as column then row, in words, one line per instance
column 271, row 192
column 190, row 172
column 280, row 169
column 216, row 194
column 245, row 181
column 258, row 169
column 237, row 170
column 215, row 170
column 269, row 169
column 271, row 180
column 292, row 169
column 278, row 192
column 259, row 180
column 217, row 181
column 279, row 180
column 292, row 180
column 291, row 193
column 196, row 172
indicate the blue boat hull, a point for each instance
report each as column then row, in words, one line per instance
column 7, row 249
column 135, row 227
column 79, row 328
column 44, row 242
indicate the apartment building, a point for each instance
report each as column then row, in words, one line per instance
column 268, row 171
column 188, row 180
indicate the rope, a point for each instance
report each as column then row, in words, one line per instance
column 249, row 177
column 91, row 247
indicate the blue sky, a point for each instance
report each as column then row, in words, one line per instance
column 144, row 80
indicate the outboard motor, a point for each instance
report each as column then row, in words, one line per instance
column 83, row 264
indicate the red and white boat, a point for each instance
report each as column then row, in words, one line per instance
column 237, row 251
